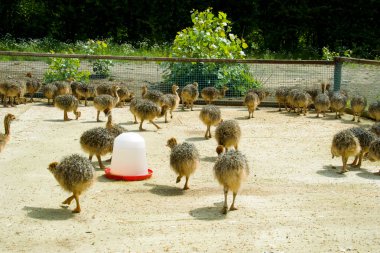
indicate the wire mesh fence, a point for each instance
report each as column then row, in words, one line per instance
column 360, row 77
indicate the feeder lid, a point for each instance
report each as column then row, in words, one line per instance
column 127, row 178
column 129, row 140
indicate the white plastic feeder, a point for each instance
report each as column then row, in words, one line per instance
column 128, row 158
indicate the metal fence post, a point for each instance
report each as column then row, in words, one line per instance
column 337, row 73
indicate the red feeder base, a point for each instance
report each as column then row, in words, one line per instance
column 127, row 178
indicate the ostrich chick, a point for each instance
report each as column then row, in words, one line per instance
column 106, row 102
column 75, row 174
column 148, row 110
column 184, row 159
column 172, row 100
column 86, row 91
column 374, row 110
column 345, row 144
column 228, row 134
column 67, row 103
column 281, row 94
column 230, row 169
column 210, row 115
column 374, row 152
column 365, row 138
column 32, row 86
column 5, row 137
column 338, row 103
column 97, row 141
column 251, row 100
column 358, row 104
column 49, row 90
column 189, row 95
column 209, row 94
column 322, row 102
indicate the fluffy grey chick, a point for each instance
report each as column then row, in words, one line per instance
column 281, row 94
column 147, row 110
column 376, row 129
column 322, row 102
column 189, row 95
column 374, row 152
column 345, row 144
column 75, row 174
column 86, row 91
column 301, row 101
column 374, row 110
column 97, row 141
column 49, row 90
column 365, row 138
column 251, row 100
column 210, row 115
column 230, row 169
column 338, row 103
column 228, row 134
column 67, row 103
column 358, row 104
column 184, row 159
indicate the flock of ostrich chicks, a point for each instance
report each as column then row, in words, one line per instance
column 75, row 173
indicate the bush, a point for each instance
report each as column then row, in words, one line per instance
column 61, row 69
column 210, row 37
column 101, row 67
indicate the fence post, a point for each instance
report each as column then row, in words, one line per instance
column 338, row 63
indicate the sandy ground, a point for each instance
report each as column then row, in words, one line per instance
column 293, row 201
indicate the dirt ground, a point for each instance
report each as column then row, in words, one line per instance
column 293, row 201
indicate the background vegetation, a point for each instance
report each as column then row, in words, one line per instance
column 288, row 28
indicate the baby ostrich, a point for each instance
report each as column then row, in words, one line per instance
column 228, row 134
column 97, row 141
column 67, row 103
column 172, row 100
column 301, row 101
column 124, row 95
column 189, row 95
column 290, row 98
column 230, row 169
column 5, row 137
column 32, row 86
column 374, row 152
column 104, row 89
column 12, row 89
column 75, row 174
column 345, row 144
column 376, row 129
column 63, row 87
column 210, row 116
column 184, row 159
column 209, row 94
column 148, row 110
column 322, row 102
column 281, row 94
column 106, row 102
column 86, row 91
column 132, row 107
column 338, row 103
column 374, row 110
column 152, row 95
column 358, row 104
column 251, row 100
column 365, row 138
column 49, row 90
column 114, row 129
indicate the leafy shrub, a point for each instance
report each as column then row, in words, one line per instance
column 101, row 67
column 210, row 37
column 329, row 55
column 65, row 69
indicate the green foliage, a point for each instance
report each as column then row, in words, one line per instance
column 65, row 69
column 209, row 37
column 329, row 55
column 101, row 67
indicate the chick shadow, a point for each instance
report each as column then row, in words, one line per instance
column 165, row 190
column 210, row 159
column 42, row 213
column 368, row 175
column 329, row 171
column 92, row 121
column 197, row 139
column 209, row 213
column 54, row 120
column 244, row 118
